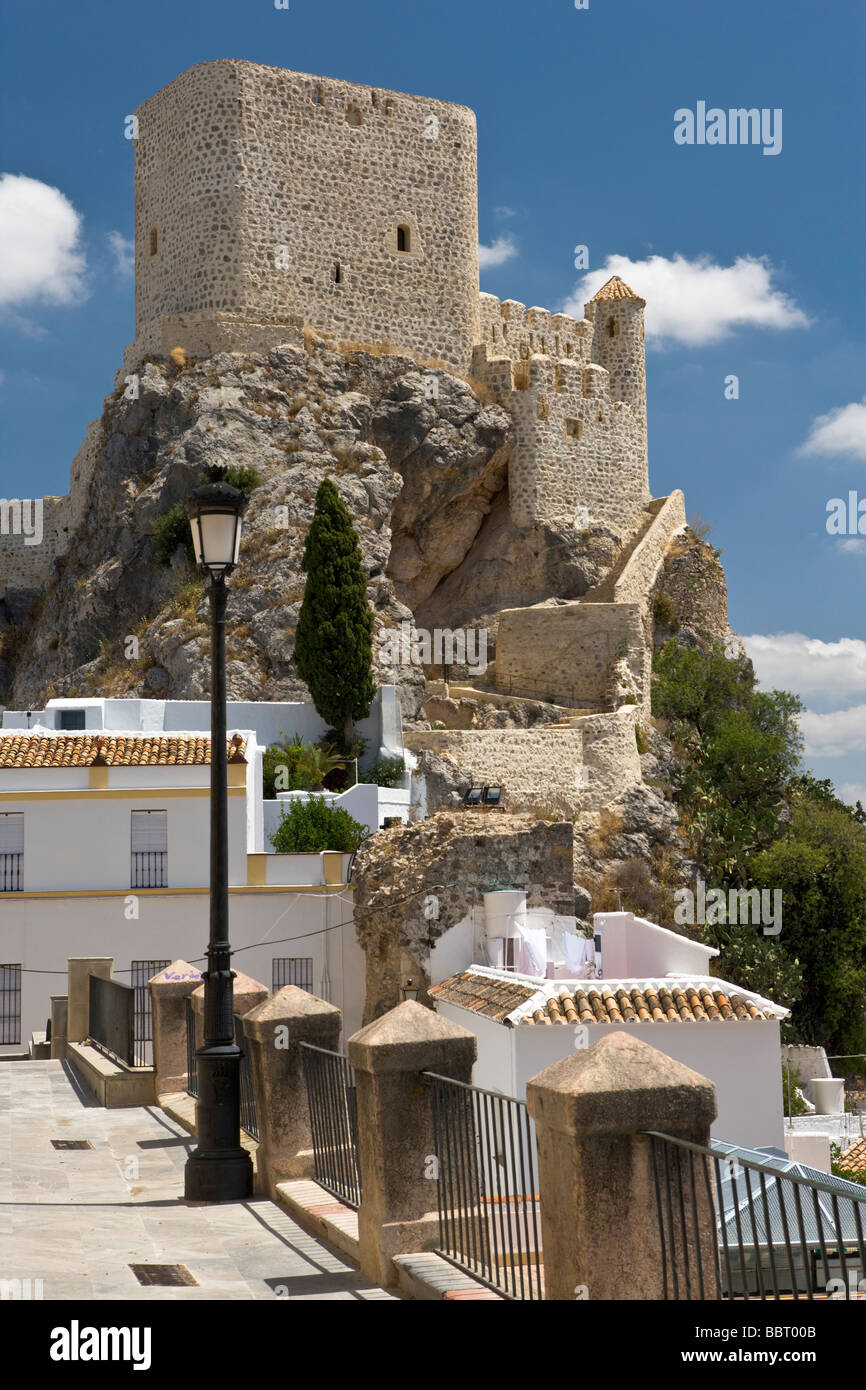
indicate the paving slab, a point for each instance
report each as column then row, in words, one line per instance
column 77, row 1219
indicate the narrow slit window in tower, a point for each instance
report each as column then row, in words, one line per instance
column 404, row 239
column 613, row 328
column 338, row 273
column 154, row 241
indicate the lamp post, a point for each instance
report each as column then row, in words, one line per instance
column 219, row 1169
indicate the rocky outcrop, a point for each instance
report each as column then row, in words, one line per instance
column 690, row 597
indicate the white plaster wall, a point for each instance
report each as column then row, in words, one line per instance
column 741, row 1058
column 632, row 948
column 85, row 842
column 41, row 933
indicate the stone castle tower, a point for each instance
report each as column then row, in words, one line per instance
column 266, row 199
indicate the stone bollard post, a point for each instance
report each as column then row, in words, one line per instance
column 59, row 1014
column 398, row 1212
column 246, row 994
column 169, row 991
column 274, row 1031
column 80, row 968
column 599, row 1209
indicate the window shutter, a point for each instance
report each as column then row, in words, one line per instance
column 11, row 832
column 149, row 832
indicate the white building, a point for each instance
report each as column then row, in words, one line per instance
column 656, row 983
column 105, row 844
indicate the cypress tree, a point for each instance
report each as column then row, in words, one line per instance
column 334, row 637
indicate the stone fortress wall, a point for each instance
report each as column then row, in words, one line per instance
column 584, row 767
column 577, row 391
column 28, row 566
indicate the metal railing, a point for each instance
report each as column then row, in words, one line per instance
column 764, row 1233
column 112, row 1019
column 140, row 972
column 249, row 1119
column 149, row 868
column 191, row 1064
column 487, row 1182
column 333, row 1106
column 10, row 873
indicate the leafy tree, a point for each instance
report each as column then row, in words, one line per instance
column 333, row 642
column 308, row 827
column 740, row 746
column 820, row 867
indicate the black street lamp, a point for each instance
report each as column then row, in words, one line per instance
column 219, row 1169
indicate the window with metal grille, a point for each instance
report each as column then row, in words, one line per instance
column 11, row 851
column 149, row 849
column 292, row 970
column 140, row 972
column 10, row 1003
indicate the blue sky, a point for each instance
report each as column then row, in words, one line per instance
column 751, row 263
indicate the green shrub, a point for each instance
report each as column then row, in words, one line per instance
column 241, row 476
column 307, row 827
column 385, row 772
column 641, row 739
column 170, row 531
column 664, row 612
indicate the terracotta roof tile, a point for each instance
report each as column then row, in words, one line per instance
column 855, row 1156
column 677, row 1002
column 494, row 998
column 29, row 750
column 615, row 288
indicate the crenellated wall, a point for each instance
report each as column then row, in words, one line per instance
column 577, row 391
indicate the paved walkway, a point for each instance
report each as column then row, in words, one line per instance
column 77, row 1219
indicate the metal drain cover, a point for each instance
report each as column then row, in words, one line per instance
column 71, row 1144
column 165, row 1275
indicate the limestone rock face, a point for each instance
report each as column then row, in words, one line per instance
column 693, row 594
column 296, row 416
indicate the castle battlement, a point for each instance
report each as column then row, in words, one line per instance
column 509, row 329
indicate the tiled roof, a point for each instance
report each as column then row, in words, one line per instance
column 495, row 998
column 26, row 750
column 677, row 1003
column 519, row 1000
column 855, row 1157
column 615, row 288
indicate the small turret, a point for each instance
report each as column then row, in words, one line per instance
column 616, row 314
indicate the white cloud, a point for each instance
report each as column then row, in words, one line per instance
column 841, row 431
column 503, row 249
column 808, row 666
column 697, row 302
column 834, row 735
column 40, row 232
column 851, row 792
column 852, row 545
column 123, row 251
